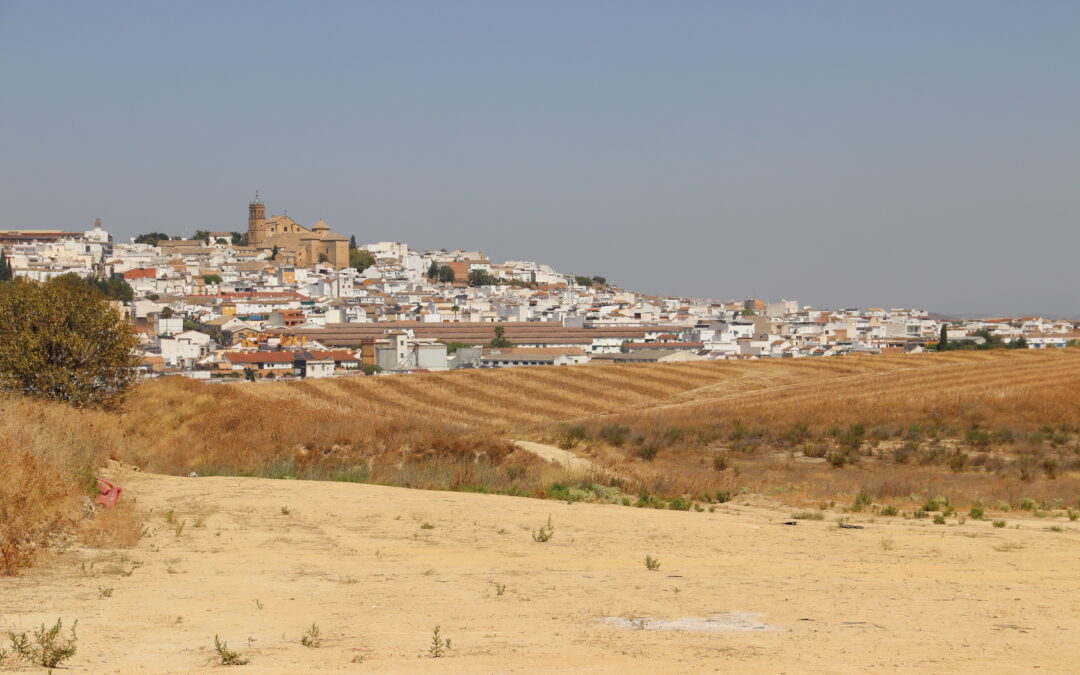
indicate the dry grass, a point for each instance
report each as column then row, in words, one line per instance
column 50, row 452
column 451, row 431
column 118, row 527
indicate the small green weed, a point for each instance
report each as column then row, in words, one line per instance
column 311, row 637
column 227, row 657
column 438, row 645
column 47, row 648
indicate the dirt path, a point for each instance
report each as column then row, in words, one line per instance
column 559, row 456
column 258, row 561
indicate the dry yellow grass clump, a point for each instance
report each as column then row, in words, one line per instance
column 50, row 454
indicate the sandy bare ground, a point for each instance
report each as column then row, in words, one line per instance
column 559, row 456
column 737, row 591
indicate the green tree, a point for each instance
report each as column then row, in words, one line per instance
column 63, row 341
column 433, row 271
column 500, row 340
column 152, row 238
column 324, row 258
column 360, row 259
column 7, row 272
column 452, row 347
column 943, row 338
column 352, row 242
column 446, row 275
column 600, row 281
column 748, row 312
column 114, row 288
column 583, row 281
column 274, row 252
column 239, row 238
column 480, row 277
column 1018, row 343
column 211, row 278
column 202, row 234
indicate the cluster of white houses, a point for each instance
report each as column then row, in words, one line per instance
column 217, row 308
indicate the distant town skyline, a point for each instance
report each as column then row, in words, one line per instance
column 844, row 154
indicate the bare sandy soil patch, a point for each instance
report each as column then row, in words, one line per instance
column 258, row 561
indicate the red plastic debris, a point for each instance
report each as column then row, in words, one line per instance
column 110, row 493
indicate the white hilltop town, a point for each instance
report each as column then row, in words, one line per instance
column 283, row 300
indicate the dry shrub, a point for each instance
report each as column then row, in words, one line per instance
column 50, row 452
column 118, row 527
column 36, row 499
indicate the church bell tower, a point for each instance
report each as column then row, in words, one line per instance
column 256, row 222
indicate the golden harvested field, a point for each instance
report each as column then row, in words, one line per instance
column 969, row 423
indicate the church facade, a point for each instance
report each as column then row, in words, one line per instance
column 296, row 244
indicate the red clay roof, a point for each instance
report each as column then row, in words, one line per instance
column 149, row 273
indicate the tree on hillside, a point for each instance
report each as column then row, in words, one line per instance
column 7, row 272
column 500, row 341
column 360, row 259
column 583, row 281
column 943, row 339
column 202, row 234
column 433, row 271
column 114, row 288
column 1018, row 343
column 480, row 277
column 446, row 275
column 152, row 238
column 239, row 238
column 64, row 341
column 600, row 281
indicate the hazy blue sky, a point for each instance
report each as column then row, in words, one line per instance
column 840, row 153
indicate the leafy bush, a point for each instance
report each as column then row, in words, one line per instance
column 613, row 434
column 47, row 648
column 47, row 332
column 648, row 452
column 679, row 504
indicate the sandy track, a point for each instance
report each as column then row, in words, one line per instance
column 559, row 456
column 898, row 596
